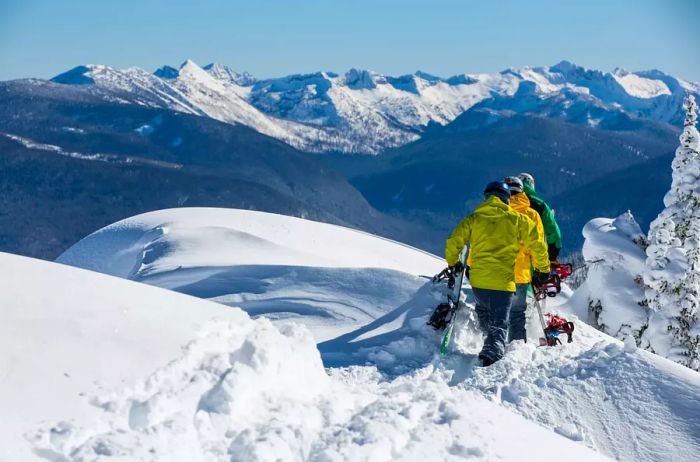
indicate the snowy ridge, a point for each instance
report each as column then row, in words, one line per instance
column 363, row 111
column 286, row 257
column 388, row 395
column 139, row 373
column 110, row 158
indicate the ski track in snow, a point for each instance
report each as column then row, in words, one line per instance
column 362, row 378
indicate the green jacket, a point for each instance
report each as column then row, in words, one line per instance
column 551, row 228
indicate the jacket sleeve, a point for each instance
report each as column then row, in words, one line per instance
column 541, row 236
column 538, row 249
column 553, row 235
column 457, row 240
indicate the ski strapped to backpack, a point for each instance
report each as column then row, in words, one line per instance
column 555, row 325
column 444, row 314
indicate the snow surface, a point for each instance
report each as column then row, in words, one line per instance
column 641, row 87
column 366, row 112
column 329, row 277
column 386, row 394
column 99, row 368
column 70, row 335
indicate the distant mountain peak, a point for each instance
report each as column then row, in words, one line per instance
column 428, row 77
column 406, row 82
column 167, row 72
column 190, row 69
column 189, row 65
column 565, row 67
column 216, row 67
column 225, row 73
column 461, row 79
column 76, row 76
column 362, row 79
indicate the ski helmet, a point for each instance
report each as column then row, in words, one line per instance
column 527, row 178
column 515, row 184
column 498, row 189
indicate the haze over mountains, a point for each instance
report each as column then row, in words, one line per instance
column 96, row 144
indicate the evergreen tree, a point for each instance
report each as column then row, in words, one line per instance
column 673, row 257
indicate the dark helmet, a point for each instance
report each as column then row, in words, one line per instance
column 515, row 184
column 498, row 189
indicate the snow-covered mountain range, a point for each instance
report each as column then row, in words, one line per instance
column 366, row 112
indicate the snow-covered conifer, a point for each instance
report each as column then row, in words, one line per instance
column 673, row 256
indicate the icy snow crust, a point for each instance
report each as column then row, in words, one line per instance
column 366, row 112
column 250, row 391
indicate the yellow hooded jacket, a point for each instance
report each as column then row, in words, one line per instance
column 523, row 267
column 495, row 233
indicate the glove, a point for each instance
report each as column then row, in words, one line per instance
column 553, row 251
column 539, row 278
column 457, row 268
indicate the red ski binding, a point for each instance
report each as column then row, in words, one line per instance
column 557, row 325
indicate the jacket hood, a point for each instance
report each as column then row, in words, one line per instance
column 519, row 202
column 492, row 206
column 529, row 190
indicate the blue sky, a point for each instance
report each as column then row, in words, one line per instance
column 271, row 38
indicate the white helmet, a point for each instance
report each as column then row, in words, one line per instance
column 527, row 178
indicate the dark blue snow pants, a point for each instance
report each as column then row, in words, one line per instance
column 516, row 331
column 493, row 309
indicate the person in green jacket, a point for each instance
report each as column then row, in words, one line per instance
column 551, row 228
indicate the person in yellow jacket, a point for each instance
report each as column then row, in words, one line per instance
column 524, row 261
column 495, row 233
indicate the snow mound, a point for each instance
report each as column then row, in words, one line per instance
column 69, row 334
column 332, row 279
column 226, row 237
column 271, row 382
column 612, row 297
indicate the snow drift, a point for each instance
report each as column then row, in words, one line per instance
column 96, row 367
column 389, row 395
column 612, row 297
column 330, row 278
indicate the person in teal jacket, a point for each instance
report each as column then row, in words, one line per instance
column 551, row 228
